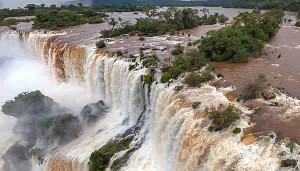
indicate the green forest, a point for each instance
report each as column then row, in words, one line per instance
column 287, row 5
column 158, row 23
column 244, row 38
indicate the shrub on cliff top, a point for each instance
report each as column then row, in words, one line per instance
column 166, row 76
column 100, row 44
column 151, row 61
column 237, row 130
column 223, row 118
column 178, row 50
column 195, row 80
column 147, row 79
column 31, row 103
column 256, row 88
column 99, row 160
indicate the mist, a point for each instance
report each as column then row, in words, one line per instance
column 23, row 3
column 21, row 71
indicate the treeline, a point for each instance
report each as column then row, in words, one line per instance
column 53, row 17
column 287, row 5
column 158, row 23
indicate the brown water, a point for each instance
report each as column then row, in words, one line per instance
column 267, row 121
column 281, row 72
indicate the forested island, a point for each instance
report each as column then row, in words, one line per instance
column 54, row 17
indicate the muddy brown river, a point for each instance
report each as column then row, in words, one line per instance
column 283, row 72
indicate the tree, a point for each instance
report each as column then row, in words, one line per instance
column 224, row 117
column 166, row 76
column 111, row 22
column 244, row 38
column 30, row 7
column 100, row 44
column 178, row 49
column 204, row 11
column 151, row 13
column 222, row 18
column 256, row 88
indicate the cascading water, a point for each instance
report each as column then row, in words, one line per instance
column 173, row 135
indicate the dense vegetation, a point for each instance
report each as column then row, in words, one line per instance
column 33, row 103
column 91, row 113
column 54, row 17
column 99, row 160
column 255, row 89
column 244, row 38
column 8, row 22
column 100, row 44
column 158, row 23
column 287, row 5
column 223, row 117
column 191, row 61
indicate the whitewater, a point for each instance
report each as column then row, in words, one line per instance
column 173, row 135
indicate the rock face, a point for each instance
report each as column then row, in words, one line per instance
column 61, row 128
column 248, row 139
column 39, row 116
column 42, row 124
column 268, row 95
column 289, row 163
column 123, row 146
column 93, row 112
column 16, row 158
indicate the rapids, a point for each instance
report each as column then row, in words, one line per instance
column 173, row 135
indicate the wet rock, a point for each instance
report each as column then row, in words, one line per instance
column 199, row 115
column 268, row 95
column 274, row 104
column 289, row 163
column 40, row 125
column 17, row 158
column 30, row 109
column 205, row 122
column 286, row 140
column 100, row 159
column 60, row 129
column 248, row 139
column 196, row 104
column 93, row 112
column 230, row 97
column 254, row 104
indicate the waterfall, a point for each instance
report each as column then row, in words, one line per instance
column 174, row 136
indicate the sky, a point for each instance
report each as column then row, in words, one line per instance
column 22, row 3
